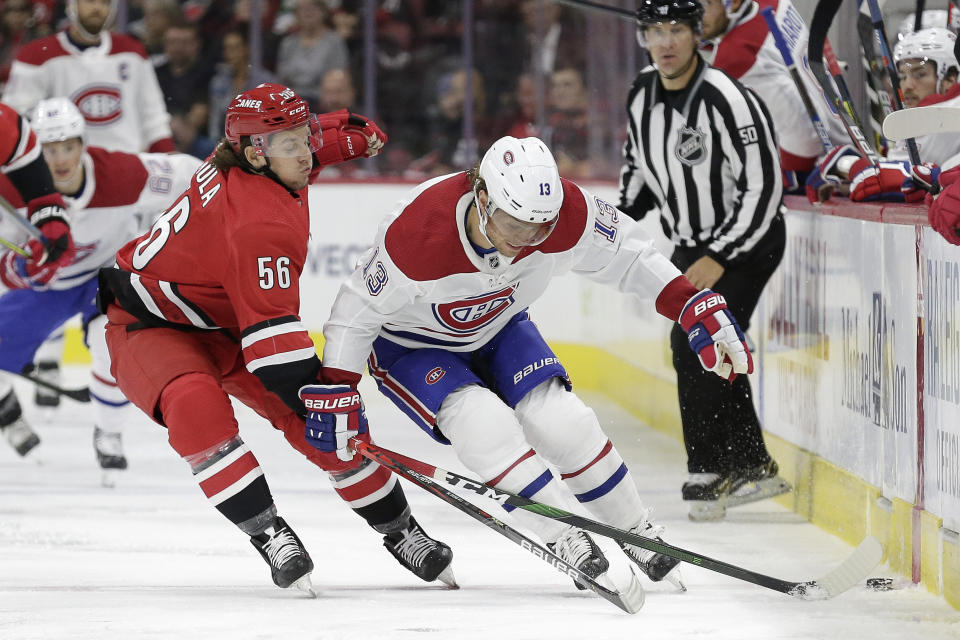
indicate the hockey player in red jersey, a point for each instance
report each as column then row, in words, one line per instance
column 207, row 303
column 30, row 178
column 110, row 195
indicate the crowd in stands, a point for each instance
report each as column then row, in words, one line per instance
column 203, row 56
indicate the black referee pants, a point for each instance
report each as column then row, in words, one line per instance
column 721, row 430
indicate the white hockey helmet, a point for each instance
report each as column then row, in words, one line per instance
column 934, row 44
column 56, row 119
column 522, row 179
column 931, row 18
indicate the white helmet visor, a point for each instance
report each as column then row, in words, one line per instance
column 519, row 233
column 294, row 142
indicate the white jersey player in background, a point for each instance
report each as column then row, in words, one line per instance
column 738, row 41
column 112, row 196
column 927, row 68
column 439, row 305
column 110, row 79
column 106, row 75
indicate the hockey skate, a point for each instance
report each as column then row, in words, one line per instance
column 757, row 483
column 578, row 549
column 656, row 566
column 710, row 494
column 48, row 371
column 290, row 564
column 109, row 449
column 15, row 429
column 426, row 558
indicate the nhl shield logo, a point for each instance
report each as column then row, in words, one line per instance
column 690, row 149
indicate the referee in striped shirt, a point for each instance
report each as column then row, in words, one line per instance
column 701, row 150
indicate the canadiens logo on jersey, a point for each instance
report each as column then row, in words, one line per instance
column 690, row 149
column 99, row 104
column 469, row 315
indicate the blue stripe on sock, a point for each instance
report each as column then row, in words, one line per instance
column 532, row 488
column 606, row 487
column 108, row 402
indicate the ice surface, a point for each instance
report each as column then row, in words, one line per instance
column 152, row 559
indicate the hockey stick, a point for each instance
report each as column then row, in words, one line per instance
column 788, row 60
column 630, row 600
column 819, row 25
column 597, row 6
column 849, row 573
column 921, row 121
column 20, row 251
column 20, row 220
column 880, row 103
column 894, row 79
column 80, row 394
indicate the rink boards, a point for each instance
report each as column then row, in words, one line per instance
column 842, row 363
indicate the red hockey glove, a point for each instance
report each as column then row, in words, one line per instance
column 347, row 136
column 823, row 179
column 944, row 214
column 47, row 257
column 715, row 336
column 334, row 415
column 888, row 181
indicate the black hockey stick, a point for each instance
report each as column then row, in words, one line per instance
column 81, row 394
column 630, row 600
column 850, row 572
column 597, row 6
column 788, row 60
column 877, row 18
column 819, row 25
column 880, row 103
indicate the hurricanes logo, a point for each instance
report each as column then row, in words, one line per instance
column 99, row 104
column 690, row 149
column 469, row 315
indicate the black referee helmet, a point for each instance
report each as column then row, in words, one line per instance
column 659, row 11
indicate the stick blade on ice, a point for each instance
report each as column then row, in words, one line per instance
column 850, row 573
column 921, row 121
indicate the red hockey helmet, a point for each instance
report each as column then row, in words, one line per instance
column 265, row 110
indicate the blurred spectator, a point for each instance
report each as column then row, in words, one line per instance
column 337, row 92
column 449, row 151
column 188, row 138
column 554, row 37
column 18, row 25
column 269, row 41
column 158, row 15
column 519, row 117
column 234, row 75
column 567, row 123
column 306, row 56
column 185, row 76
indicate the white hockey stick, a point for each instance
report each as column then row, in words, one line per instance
column 921, row 121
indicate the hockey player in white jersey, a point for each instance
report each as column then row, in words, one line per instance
column 927, row 69
column 106, row 75
column 439, row 306
column 738, row 41
column 112, row 196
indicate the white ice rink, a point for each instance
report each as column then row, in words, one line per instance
column 152, row 559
